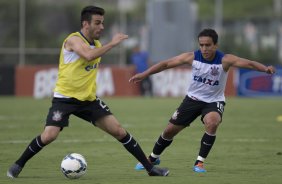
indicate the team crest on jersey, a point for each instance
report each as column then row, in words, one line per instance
column 214, row 71
column 57, row 116
column 174, row 116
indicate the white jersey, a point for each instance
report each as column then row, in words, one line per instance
column 208, row 78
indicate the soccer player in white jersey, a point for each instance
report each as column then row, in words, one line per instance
column 205, row 95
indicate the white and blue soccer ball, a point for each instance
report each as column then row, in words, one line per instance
column 74, row 166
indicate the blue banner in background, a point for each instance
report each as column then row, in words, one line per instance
column 253, row 83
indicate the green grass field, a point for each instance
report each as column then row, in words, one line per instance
column 248, row 148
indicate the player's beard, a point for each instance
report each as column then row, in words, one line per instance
column 95, row 35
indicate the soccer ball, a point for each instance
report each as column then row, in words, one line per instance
column 73, row 166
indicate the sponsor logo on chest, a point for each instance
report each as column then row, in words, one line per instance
column 91, row 67
column 214, row 71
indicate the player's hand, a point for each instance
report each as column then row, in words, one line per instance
column 137, row 78
column 119, row 37
column 270, row 70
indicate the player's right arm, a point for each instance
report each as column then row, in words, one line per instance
column 77, row 45
column 185, row 58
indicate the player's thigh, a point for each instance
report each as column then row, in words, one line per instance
column 93, row 111
column 212, row 116
column 213, row 112
column 99, row 114
column 111, row 125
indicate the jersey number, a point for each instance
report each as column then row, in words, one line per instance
column 220, row 107
column 103, row 105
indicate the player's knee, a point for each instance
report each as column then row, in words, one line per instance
column 49, row 136
column 211, row 125
column 212, row 119
column 47, row 139
column 213, row 122
column 169, row 133
column 119, row 133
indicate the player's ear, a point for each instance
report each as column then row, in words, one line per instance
column 85, row 23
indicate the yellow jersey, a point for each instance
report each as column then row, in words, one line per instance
column 76, row 75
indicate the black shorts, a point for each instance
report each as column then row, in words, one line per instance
column 190, row 109
column 62, row 108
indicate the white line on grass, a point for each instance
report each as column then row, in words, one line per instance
column 140, row 140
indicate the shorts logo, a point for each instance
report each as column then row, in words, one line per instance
column 174, row 116
column 57, row 116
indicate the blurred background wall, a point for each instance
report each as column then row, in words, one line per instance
column 32, row 31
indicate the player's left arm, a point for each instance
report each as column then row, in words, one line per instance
column 235, row 61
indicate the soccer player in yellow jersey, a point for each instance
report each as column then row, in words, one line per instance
column 75, row 92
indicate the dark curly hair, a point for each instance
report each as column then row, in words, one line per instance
column 210, row 33
column 88, row 11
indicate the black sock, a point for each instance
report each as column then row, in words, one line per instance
column 159, row 147
column 206, row 145
column 197, row 161
column 32, row 149
column 133, row 147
